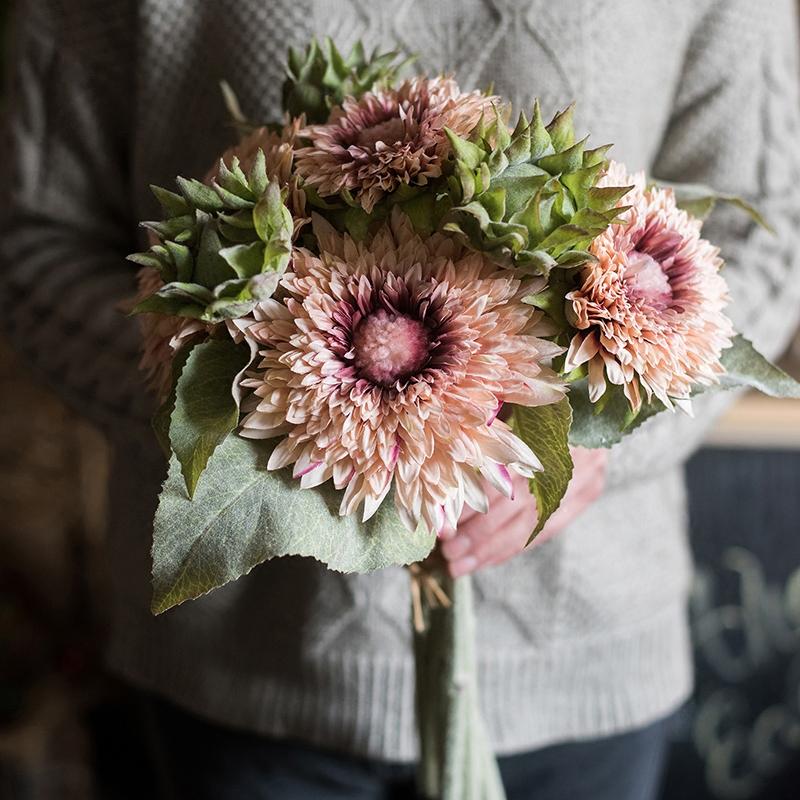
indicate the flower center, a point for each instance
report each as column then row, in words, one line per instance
column 391, row 131
column 389, row 347
column 647, row 281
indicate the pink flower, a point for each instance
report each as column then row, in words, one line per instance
column 383, row 364
column 389, row 138
column 650, row 311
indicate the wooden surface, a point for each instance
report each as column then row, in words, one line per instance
column 763, row 422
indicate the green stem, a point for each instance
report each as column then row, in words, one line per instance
column 456, row 761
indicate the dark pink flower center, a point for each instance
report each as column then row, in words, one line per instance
column 389, row 132
column 647, row 281
column 388, row 347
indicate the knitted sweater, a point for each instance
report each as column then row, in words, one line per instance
column 583, row 636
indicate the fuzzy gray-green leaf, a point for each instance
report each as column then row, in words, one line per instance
column 205, row 410
column 745, row 366
column 243, row 515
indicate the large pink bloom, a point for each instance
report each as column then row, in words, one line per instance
column 385, row 364
column 388, row 138
column 650, row 311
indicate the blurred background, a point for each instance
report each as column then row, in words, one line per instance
column 739, row 739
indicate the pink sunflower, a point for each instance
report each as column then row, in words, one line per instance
column 385, row 365
column 650, row 311
column 389, row 138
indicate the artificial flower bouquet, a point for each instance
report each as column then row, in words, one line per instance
column 369, row 312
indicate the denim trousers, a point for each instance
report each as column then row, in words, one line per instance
column 198, row 760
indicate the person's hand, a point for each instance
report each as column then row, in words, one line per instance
column 500, row 534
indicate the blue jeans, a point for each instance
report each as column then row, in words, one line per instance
column 202, row 761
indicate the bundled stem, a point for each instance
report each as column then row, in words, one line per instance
column 456, row 761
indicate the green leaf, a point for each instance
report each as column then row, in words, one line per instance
column 567, row 160
column 520, row 182
column 243, row 515
column 357, row 221
column 176, row 299
column 590, row 429
column 545, row 429
column 541, row 144
column 422, row 212
column 537, row 262
column 745, row 366
column 205, row 409
column 700, row 201
column 182, row 259
column 258, row 174
column 161, row 418
column 520, row 148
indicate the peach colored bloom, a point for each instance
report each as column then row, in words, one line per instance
column 385, row 364
column 389, row 138
column 279, row 151
column 650, row 312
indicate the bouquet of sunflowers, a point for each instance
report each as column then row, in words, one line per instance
column 367, row 313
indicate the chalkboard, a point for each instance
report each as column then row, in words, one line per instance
column 740, row 735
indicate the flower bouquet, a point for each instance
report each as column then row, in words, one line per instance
column 369, row 312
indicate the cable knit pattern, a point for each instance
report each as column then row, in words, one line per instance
column 581, row 637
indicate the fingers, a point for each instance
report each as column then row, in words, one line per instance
column 457, row 546
column 464, row 566
column 471, row 554
column 483, row 540
column 490, row 540
column 447, row 532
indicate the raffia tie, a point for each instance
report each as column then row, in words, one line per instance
column 425, row 586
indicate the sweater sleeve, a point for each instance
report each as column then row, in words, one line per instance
column 735, row 126
column 67, row 223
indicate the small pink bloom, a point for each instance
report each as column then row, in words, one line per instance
column 389, row 138
column 650, row 312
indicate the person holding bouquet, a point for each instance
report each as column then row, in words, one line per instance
column 296, row 681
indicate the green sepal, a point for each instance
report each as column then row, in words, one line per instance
column 515, row 196
column 202, row 255
column 320, row 77
column 199, row 195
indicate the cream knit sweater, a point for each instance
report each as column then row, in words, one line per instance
column 581, row 637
